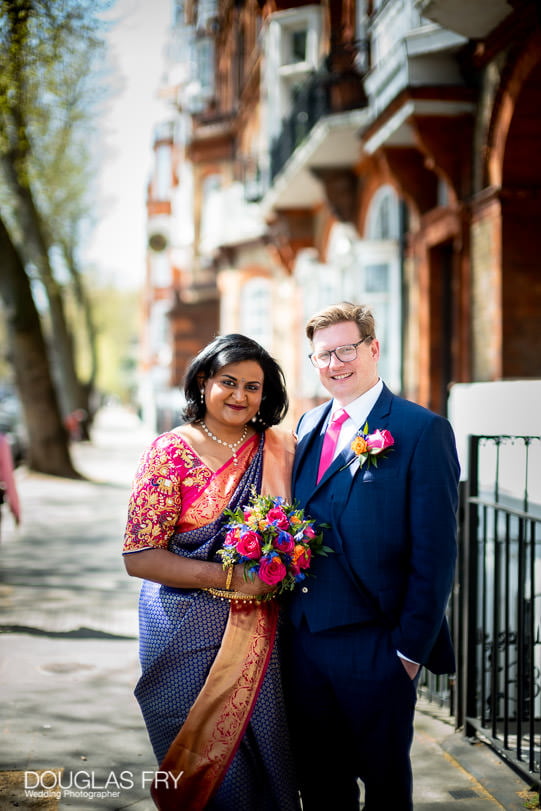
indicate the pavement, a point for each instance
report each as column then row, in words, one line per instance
column 71, row 735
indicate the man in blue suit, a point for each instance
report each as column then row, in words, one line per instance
column 374, row 611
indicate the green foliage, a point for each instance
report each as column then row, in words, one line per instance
column 118, row 327
column 51, row 58
column 51, row 55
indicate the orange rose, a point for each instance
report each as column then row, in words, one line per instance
column 297, row 552
column 359, row 445
column 301, row 556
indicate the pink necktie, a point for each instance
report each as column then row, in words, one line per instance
column 329, row 441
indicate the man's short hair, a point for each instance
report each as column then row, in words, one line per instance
column 345, row 311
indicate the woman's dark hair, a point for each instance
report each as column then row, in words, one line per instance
column 235, row 348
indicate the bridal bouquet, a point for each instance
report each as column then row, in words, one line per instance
column 274, row 540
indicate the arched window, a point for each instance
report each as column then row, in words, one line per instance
column 256, row 310
column 365, row 271
column 379, row 279
column 383, row 221
column 211, row 213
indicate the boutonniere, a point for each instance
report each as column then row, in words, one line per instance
column 369, row 447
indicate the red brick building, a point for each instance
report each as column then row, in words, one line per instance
column 377, row 150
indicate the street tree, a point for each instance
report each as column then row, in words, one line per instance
column 45, row 104
column 48, row 446
column 66, row 206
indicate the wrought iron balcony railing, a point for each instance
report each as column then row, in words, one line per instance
column 322, row 94
column 310, row 104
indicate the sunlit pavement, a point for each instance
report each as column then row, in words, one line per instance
column 68, row 661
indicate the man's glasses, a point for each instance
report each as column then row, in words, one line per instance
column 343, row 353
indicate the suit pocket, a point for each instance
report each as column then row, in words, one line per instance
column 384, row 471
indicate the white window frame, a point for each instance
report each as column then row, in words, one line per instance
column 280, row 63
column 256, row 310
column 162, row 190
column 161, row 275
column 345, row 276
column 385, row 304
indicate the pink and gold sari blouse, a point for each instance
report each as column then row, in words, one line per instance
column 168, row 487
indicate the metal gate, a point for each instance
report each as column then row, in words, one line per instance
column 495, row 609
column 498, row 629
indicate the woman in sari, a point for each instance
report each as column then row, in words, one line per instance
column 210, row 689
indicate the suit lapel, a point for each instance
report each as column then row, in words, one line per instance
column 377, row 418
column 381, row 410
column 308, row 449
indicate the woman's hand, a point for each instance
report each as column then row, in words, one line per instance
column 162, row 566
column 250, row 586
column 168, row 569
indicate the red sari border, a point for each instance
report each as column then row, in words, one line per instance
column 201, row 753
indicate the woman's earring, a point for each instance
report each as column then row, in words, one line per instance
column 257, row 418
column 202, row 396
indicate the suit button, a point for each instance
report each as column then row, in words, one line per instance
column 304, row 589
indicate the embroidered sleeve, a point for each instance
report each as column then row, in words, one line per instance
column 155, row 502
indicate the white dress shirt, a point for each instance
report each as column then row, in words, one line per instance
column 358, row 410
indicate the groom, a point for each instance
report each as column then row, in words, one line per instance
column 374, row 612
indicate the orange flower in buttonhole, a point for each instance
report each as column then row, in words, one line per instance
column 369, row 447
column 359, row 445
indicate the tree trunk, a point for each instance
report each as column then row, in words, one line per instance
column 48, row 445
column 32, row 244
column 33, row 249
column 89, row 386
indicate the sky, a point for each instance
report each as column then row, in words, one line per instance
column 116, row 247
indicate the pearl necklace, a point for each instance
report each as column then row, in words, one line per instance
column 232, row 445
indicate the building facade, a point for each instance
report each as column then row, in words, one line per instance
column 382, row 151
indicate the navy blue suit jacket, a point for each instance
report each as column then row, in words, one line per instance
column 392, row 528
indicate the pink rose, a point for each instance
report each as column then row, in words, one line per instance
column 271, row 570
column 232, row 537
column 309, row 532
column 284, row 542
column 277, row 515
column 379, row 441
column 250, row 545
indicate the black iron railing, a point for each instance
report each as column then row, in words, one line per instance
column 501, row 657
column 444, row 691
column 495, row 610
column 311, row 103
column 323, row 93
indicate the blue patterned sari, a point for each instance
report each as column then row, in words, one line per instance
column 181, row 633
